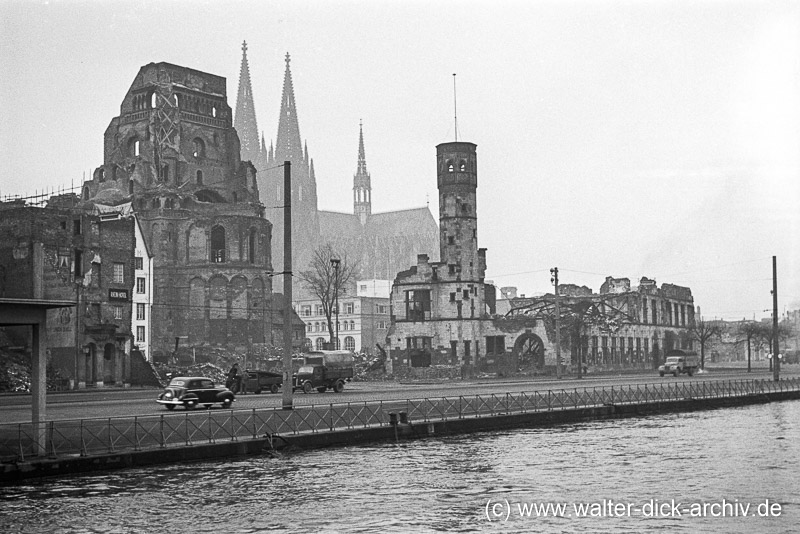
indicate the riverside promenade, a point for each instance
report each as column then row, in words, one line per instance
column 83, row 445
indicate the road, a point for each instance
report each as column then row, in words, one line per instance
column 101, row 403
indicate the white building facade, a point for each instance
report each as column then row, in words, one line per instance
column 142, row 295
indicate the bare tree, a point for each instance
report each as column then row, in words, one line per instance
column 328, row 279
column 749, row 331
column 704, row 332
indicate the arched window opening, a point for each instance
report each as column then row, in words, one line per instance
column 218, row 244
column 300, row 193
column 463, row 167
column 86, row 193
column 251, row 246
column 153, row 100
column 235, row 197
column 175, row 100
column 198, row 148
column 199, row 177
column 214, row 111
column 156, row 203
column 164, row 174
column 130, row 187
column 135, row 147
column 449, row 166
column 349, row 343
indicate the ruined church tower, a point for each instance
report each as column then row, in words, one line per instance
column 362, row 190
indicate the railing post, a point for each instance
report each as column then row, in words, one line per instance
column 21, row 452
column 135, row 433
column 331, row 425
column 186, row 427
column 110, row 441
column 549, row 401
column 163, row 441
column 255, row 427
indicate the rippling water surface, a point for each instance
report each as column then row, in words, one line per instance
column 743, row 455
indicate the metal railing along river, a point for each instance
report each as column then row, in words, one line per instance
column 84, row 437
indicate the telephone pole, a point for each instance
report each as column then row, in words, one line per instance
column 287, row 285
column 776, row 366
column 554, row 280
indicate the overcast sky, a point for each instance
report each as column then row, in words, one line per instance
column 629, row 139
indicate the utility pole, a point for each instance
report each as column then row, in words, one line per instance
column 554, row 280
column 287, row 286
column 335, row 263
column 776, row 367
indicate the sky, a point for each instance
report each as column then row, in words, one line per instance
column 614, row 138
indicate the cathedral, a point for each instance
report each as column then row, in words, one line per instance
column 380, row 244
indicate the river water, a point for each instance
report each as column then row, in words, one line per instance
column 727, row 470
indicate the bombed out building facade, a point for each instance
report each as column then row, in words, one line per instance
column 445, row 313
column 172, row 156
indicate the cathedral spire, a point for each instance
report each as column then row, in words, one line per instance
column 288, row 145
column 245, row 119
column 362, row 189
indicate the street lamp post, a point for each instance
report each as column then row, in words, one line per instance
column 335, row 263
column 554, row 280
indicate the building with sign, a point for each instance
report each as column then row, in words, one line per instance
column 60, row 252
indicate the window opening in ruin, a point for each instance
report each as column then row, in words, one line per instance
column 450, row 167
column 198, row 148
column 135, row 147
column 418, row 305
column 76, row 227
column 199, row 177
column 218, row 244
column 153, row 100
column 85, row 193
column 78, row 264
column 463, row 167
column 251, row 246
column 130, row 187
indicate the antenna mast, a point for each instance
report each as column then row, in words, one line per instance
column 455, row 107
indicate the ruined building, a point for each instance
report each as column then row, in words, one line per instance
column 173, row 157
column 63, row 253
column 445, row 313
column 381, row 243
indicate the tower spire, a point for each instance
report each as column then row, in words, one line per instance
column 245, row 118
column 362, row 188
column 288, row 145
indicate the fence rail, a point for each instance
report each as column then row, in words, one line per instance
column 84, row 437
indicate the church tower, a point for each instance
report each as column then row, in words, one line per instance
column 305, row 220
column 244, row 121
column 362, row 190
column 458, row 222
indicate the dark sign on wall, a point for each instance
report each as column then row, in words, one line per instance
column 117, row 294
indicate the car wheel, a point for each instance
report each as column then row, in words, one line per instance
column 338, row 387
column 226, row 403
column 307, row 387
column 273, row 388
column 170, row 407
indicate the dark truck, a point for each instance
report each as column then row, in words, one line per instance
column 324, row 370
column 258, row 381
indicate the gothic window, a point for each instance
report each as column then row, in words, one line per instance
column 300, row 193
column 463, row 167
column 85, row 193
column 130, row 187
column 199, row 177
column 198, row 148
column 217, row 244
column 214, row 111
column 450, row 166
column 101, row 175
column 153, row 100
column 164, row 174
column 134, row 147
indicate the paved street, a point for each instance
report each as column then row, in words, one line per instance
column 116, row 403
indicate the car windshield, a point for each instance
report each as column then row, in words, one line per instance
column 306, row 369
column 673, row 360
column 178, row 382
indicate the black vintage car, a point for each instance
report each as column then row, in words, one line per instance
column 193, row 391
